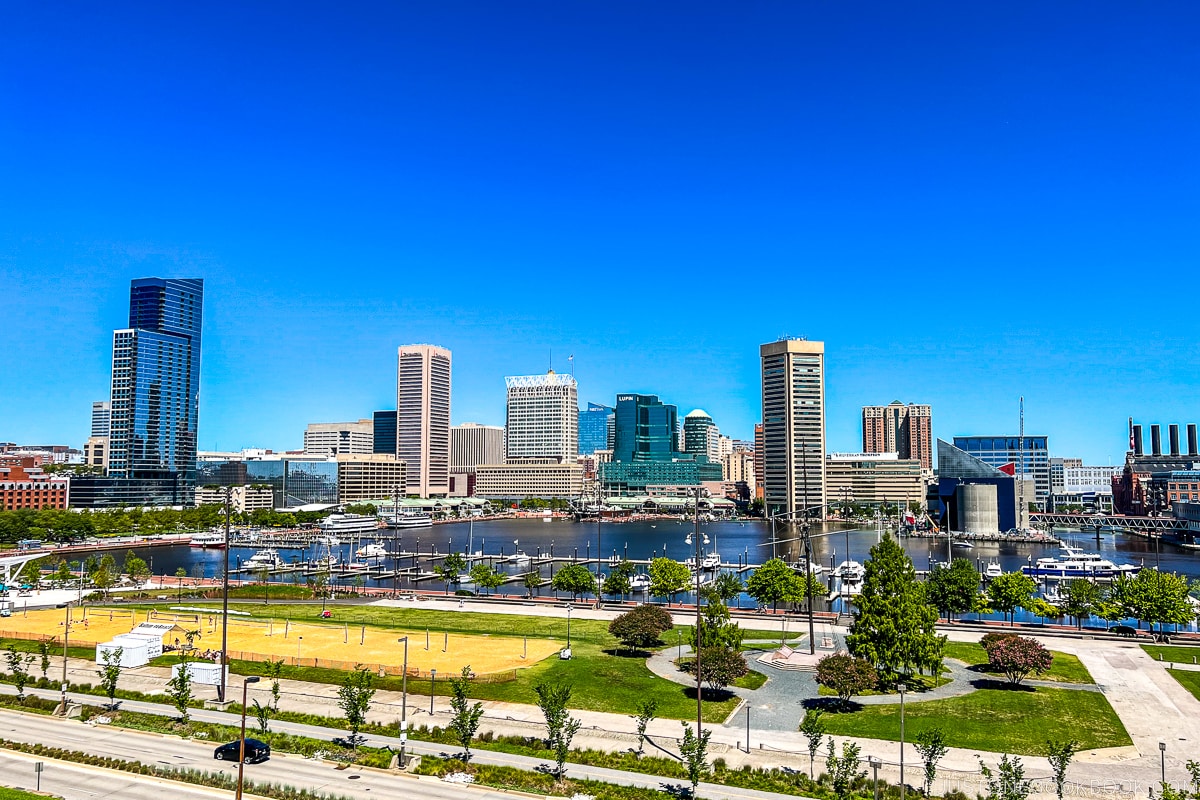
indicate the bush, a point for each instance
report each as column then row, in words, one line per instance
column 1018, row 657
column 641, row 627
column 992, row 638
column 847, row 675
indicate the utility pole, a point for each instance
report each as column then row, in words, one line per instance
column 225, row 601
column 696, row 536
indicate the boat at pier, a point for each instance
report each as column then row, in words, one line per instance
column 213, row 540
column 267, row 557
column 1078, row 565
column 347, row 525
column 406, row 521
column 372, row 550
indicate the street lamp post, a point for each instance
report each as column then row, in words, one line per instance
column 1162, row 760
column 569, row 608
column 599, row 548
column 299, row 640
column 225, row 602
column 403, row 701
column 432, row 688
column 875, row 765
column 695, row 538
column 242, row 744
column 902, row 689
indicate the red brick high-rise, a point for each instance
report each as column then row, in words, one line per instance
column 24, row 485
column 898, row 428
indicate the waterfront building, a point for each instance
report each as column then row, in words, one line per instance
column 759, row 461
column 645, row 429
column 155, row 391
column 643, row 477
column 998, row 451
column 544, row 478
column 101, row 418
column 541, row 417
column 595, row 428
column 372, row 476
column 906, row 430
column 1131, row 488
column 472, row 444
column 335, row 438
column 874, row 478
column 383, row 432
column 24, row 484
column 701, row 437
column 242, row 499
column 423, row 418
column 295, row 479
column 793, row 398
column 977, row 497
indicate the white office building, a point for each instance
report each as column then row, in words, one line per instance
column 472, row 444
column 542, row 419
column 340, row 438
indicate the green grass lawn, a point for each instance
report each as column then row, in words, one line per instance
column 1188, row 679
column 17, row 794
column 1065, row 667
column 602, row 680
column 997, row 720
column 1175, row 653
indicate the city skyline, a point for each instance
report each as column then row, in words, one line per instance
column 511, row 182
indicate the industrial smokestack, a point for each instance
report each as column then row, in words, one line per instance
column 1192, row 451
column 1173, row 438
column 1156, row 440
column 1137, row 441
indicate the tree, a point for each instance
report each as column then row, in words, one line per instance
column 180, row 573
column 179, row 688
column 574, row 578
column 263, row 574
column 18, row 669
column 843, row 769
column 274, row 670
column 953, row 589
column 1018, row 657
column 1080, row 597
column 466, row 718
column 668, row 577
column 532, row 582
column 452, row 566
column 560, row 726
column 931, row 745
column 617, row 580
column 486, row 577
column 1010, row 591
column 813, row 728
column 62, row 572
column 1010, row 784
column 646, row 709
column 1059, row 754
column 771, row 583
column 724, row 588
column 354, row 699
column 642, row 626
column 262, row 713
column 719, row 666
column 110, row 673
column 847, row 675
column 894, row 626
column 693, row 750
column 1155, row 597
column 716, row 629
column 136, row 568
column 803, row 586
column 1169, row 792
column 44, row 646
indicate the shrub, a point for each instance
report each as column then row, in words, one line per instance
column 1018, row 657
column 642, row 627
column 847, row 675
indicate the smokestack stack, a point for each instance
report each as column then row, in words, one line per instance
column 1137, row 441
column 1156, row 440
column 1173, row 439
column 1192, row 451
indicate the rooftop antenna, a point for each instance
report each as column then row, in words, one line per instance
column 571, row 361
column 552, row 359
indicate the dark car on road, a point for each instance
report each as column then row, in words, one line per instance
column 256, row 751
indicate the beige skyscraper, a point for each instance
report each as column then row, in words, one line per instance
column 423, row 418
column 793, row 394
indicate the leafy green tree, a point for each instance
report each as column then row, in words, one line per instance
column 1010, row 591
column 110, row 673
column 953, row 589
column 561, row 727
column 931, row 745
column 1080, row 597
column 617, row 581
column 693, row 750
column 136, row 568
column 465, row 722
column 719, row 666
column 18, row 669
column 362, row 509
column 894, row 626
column 717, row 629
column 642, row 626
column 451, row 567
column 668, row 577
column 262, row 713
column 1169, row 792
column 843, row 770
column 1010, row 783
column 847, row 675
column 723, row 588
column 1155, row 597
column 574, row 578
column 274, row 670
column 62, row 572
column 813, row 728
column 771, row 583
column 532, row 582
column 179, row 688
column 1059, row 754
column 354, row 699
column 180, row 573
column 44, row 646
column 801, row 587
column 646, row 710
column 486, row 577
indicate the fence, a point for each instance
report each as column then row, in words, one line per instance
column 379, row 669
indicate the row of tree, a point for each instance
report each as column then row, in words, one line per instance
column 57, row 525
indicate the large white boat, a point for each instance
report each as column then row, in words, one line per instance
column 850, row 571
column 711, row 561
column 992, row 570
column 268, row 557
column 1078, row 565
column 640, row 582
column 347, row 525
column 403, row 521
column 208, row 540
column 372, row 550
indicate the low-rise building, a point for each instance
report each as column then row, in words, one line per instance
column 95, row 452
column 336, row 438
column 369, row 477
column 25, row 485
column 873, row 478
column 529, row 477
column 242, row 499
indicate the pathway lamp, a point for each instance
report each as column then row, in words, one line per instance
column 875, row 765
column 403, row 700
column 902, row 689
column 242, row 744
column 432, row 688
column 1162, row 760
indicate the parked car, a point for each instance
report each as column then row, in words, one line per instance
column 256, row 751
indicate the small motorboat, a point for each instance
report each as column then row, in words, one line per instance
column 992, row 570
column 372, row 550
column 640, row 582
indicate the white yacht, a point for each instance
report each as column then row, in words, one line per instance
column 208, row 539
column 415, row 520
column 267, row 557
column 992, row 570
column 328, row 540
column 347, row 525
column 1075, row 564
column 640, row 582
column 711, row 561
column 850, row 571
column 372, row 550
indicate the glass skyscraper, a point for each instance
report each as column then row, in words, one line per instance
column 646, row 429
column 1030, row 457
column 594, row 427
column 156, row 385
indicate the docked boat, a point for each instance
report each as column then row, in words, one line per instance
column 267, row 557
column 209, row 540
column 404, row 521
column 851, row 571
column 328, row 540
column 347, row 525
column 962, row 543
column 372, row 550
column 1078, row 565
column 711, row 561
column 640, row 582
column 992, row 570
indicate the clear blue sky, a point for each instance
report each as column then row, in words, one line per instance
column 966, row 201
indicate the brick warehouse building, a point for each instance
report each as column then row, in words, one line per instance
column 24, row 485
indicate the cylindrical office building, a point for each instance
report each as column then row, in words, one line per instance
column 978, row 511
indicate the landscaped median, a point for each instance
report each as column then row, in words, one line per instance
column 1065, row 668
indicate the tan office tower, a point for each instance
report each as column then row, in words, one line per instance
column 793, row 394
column 906, row 430
column 423, row 418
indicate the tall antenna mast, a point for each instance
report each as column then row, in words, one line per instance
column 1021, row 466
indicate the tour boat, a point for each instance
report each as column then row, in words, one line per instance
column 1078, row 565
column 208, row 539
column 268, row 557
column 348, row 524
column 404, row 521
column 372, row 550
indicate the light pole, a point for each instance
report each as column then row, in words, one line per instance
column 902, row 689
column 403, row 701
column 695, row 538
column 875, row 765
column 225, row 602
column 599, row 549
column 569, row 607
column 242, row 744
column 1162, row 760
column 432, row 688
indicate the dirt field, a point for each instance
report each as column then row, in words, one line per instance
column 280, row 639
